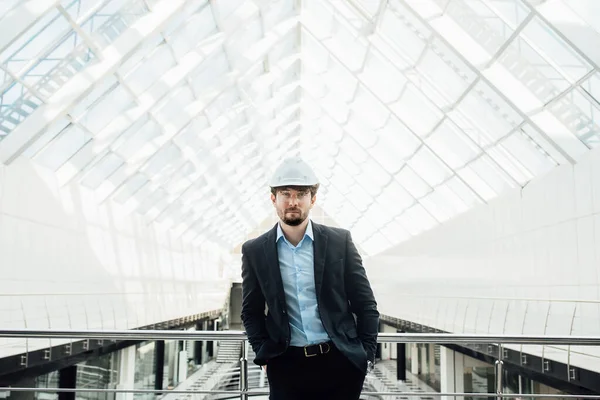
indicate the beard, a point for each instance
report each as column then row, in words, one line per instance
column 294, row 219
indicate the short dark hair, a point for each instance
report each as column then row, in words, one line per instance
column 313, row 189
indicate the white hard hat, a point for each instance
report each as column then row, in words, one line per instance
column 293, row 172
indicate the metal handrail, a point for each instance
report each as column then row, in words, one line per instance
column 446, row 338
column 440, row 338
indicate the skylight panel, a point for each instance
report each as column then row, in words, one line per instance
column 348, row 213
column 416, row 111
column 401, row 141
column 513, row 12
column 445, row 72
column 172, row 111
column 517, row 157
column 490, row 173
column 464, row 192
column 386, row 154
column 382, row 77
column 471, row 178
column 452, row 145
column 409, row 36
column 372, row 113
column 360, row 132
column 394, row 232
column 359, row 197
column 345, row 46
column 346, row 161
column 412, row 182
column 318, row 17
column 376, row 243
column 373, row 175
column 106, row 109
column 395, row 198
column 491, row 117
column 148, row 72
column 439, row 203
column 580, row 114
column 556, row 50
column 68, row 142
column 559, row 133
column 416, row 220
column 201, row 25
column 102, row 170
column 429, row 167
column 364, row 227
column 35, row 41
column 592, row 86
column 131, row 186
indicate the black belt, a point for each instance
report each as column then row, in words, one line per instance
column 312, row 350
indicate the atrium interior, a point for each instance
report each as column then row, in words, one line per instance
column 457, row 140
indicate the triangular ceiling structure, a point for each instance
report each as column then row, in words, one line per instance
column 411, row 111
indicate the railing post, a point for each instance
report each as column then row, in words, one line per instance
column 244, row 372
column 499, row 372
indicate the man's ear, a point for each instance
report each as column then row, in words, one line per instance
column 273, row 198
column 312, row 201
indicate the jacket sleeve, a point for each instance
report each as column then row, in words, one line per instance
column 253, row 305
column 362, row 300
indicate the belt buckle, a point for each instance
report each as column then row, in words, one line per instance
column 306, row 353
column 321, row 351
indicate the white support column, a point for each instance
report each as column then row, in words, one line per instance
column 126, row 372
column 388, row 350
column 424, row 359
column 204, row 344
column 182, row 366
column 452, row 367
column 431, row 360
column 414, row 359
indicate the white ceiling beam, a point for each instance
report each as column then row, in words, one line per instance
column 67, row 96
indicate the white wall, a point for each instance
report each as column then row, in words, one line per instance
column 526, row 263
column 66, row 262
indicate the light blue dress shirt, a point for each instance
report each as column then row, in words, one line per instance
column 296, row 264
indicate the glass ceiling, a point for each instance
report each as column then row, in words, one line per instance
column 411, row 111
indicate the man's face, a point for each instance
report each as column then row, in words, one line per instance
column 293, row 206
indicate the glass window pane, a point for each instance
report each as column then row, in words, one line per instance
column 382, row 77
column 580, row 115
column 464, row 192
column 406, row 32
column 395, row 198
column 447, row 72
column 555, row 49
column 416, row 111
column 592, row 86
column 416, row 220
column 484, row 116
column 429, row 167
column 476, row 182
column 452, row 145
column 101, row 170
column 413, row 182
column 69, row 141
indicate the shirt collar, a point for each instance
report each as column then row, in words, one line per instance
column 309, row 232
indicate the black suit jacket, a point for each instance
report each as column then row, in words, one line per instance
column 346, row 303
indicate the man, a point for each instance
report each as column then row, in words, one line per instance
column 319, row 336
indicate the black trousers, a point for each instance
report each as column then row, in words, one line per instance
column 331, row 376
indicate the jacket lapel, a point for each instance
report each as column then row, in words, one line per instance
column 320, row 250
column 270, row 249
